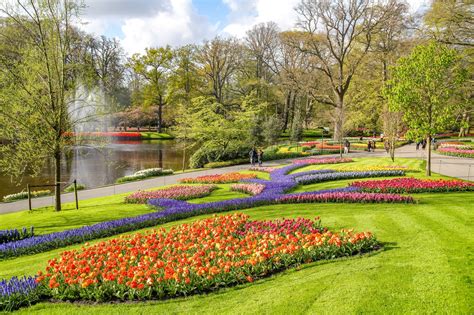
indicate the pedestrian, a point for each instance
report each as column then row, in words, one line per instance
column 418, row 145
column 373, row 145
column 434, row 143
column 347, row 146
column 253, row 155
column 369, row 145
column 260, row 157
column 423, row 144
column 386, row 146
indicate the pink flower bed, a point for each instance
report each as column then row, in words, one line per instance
column 252, row 189
column 264, row 169
column 413, row 185
column 323, row 161
column 176, row 192
column 353, row 197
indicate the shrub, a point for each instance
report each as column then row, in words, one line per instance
column 208, row 154
column 24, row 195
column 70, row 188
column 143, row 174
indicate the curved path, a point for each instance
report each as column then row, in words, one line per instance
column 462, row 168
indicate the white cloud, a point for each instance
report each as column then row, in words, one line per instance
column 245, row 14
column 146, row 23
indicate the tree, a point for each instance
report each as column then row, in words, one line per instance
column 272, row 129
column 155, row 67
column 337, row 35
column 219, row 60
column 38, row 87
column 422, row 87
column 451, row 22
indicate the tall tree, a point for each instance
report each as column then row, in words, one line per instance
column 38, row 88
column 338, row 35
column 423, row 86
column 155, row 67
column 219, row 60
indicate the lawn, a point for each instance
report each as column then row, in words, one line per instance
column 425, row 267
column 151, row 135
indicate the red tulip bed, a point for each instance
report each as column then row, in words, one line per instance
column 193, row 258
column 108, row 134
column 413, row 185
column 218, row 179
column 352, row 197
column 251, row 189
column 183, row 192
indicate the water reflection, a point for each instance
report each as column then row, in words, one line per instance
column 98, row 166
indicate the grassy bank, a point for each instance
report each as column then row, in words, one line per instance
column 425, row 267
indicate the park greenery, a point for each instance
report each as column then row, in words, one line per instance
column 224, row 95
column 408, row 271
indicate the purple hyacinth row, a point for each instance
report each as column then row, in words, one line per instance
column 317, row 178
column 15, row 285
column 354, row 197
column 18, row 292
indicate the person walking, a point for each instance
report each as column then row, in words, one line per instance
column 373, row 145
column 369, row 145
column 386, row 146
column 253, row 155
column 423, row 144
column 418, row 145
column 347, row 146
column 260, row 157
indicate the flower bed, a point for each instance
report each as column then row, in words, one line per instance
column 413, row 185
column 170, row 210
column 17, row 292
column 251, row 189
column 323, row 161
column 218, row 179
column 24, row 195
column 15, row 235
column 194, row 258
column 317, row 178
column 456, row 152
column 176, row 192
column 143, row 174
column 352, row 197
column 264, row 169
column 355, row 168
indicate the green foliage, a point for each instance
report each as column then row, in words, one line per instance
column 226, row 163
column 272, row 129
column 24, row 195
column 423, row 87
column 70, row 188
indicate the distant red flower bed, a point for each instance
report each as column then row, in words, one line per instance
column 108, row 134
column 413, row 185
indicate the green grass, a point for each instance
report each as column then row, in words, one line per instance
column 426, row 266
column 156, row 136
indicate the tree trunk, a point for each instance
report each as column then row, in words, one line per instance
column 428, row 155
column 57, row 178
column 160, row 115
column 285, row 111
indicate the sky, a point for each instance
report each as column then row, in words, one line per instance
column 145, row 23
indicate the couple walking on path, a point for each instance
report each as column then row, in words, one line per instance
column 256, row 156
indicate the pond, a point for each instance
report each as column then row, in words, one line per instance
column 99, row 166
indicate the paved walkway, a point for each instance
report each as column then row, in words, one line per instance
column 450, row 166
